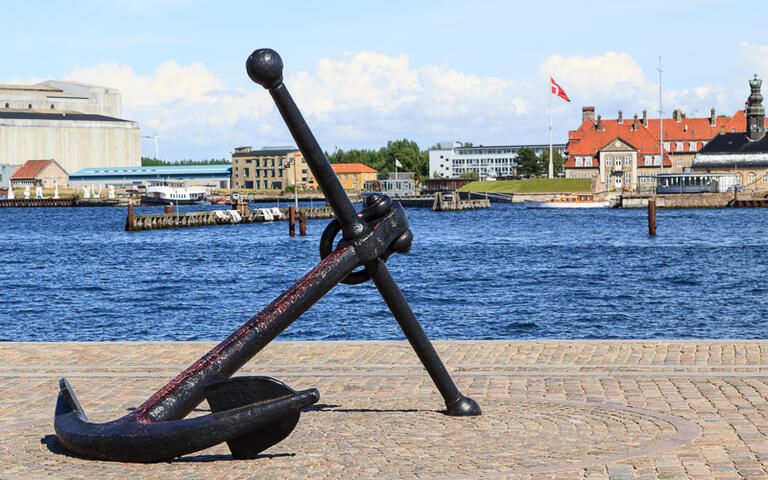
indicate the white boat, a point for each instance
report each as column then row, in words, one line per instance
column 569, row 201
column 166, row 192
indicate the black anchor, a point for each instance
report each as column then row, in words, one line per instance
column 254, row 413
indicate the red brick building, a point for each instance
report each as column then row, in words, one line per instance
column 624, row 153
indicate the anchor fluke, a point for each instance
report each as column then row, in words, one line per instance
column 239, row 391
column 134, row 439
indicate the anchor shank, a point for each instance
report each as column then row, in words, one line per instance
column 183, row 393
column 337, row 198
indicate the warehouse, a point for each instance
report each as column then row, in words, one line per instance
column 75, row 124
column 215, row 176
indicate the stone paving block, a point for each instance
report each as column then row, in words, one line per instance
column 552, row 409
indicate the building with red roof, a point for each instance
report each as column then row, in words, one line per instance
column 624, row 154
column 354, row 175
column 40, row 173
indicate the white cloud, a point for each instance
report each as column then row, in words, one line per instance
column 363, row 99
column 754, row 58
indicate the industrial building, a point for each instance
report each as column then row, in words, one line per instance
column 75, row 124
column 214, row 176
column 6, row 170
column 491, row 162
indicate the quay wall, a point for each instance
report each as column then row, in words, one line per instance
column 679, row 200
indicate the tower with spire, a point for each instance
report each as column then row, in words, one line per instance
column 755, row 111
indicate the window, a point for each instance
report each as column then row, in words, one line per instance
column 751, row 178
column 618, row 181
column 246, row 172
column 679, row 162
column 256, row 163
column 248, row 160
column 656, row 160
column 578, row 161
column 627, row 161
column 627, row 178
column 248, row 184
column 609, row 162
column 692, row 146
column 588, row 162
column 739, row 178
column 642, row 180
column 279, row 173
column 666, row 146
column 679, row 146
column 764, row 177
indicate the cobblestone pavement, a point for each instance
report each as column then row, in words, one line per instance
column 552, row 409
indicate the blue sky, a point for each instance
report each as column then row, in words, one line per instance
column 368, row 72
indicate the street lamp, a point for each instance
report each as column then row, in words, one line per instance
column 294, row 160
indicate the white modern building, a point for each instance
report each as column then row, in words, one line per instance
column 75, row 124
column 452, row 159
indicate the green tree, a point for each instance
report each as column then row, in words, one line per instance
column 472, row 174
column 558, row 162
column 528, row 164
column 382, row 160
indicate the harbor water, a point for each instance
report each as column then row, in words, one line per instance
column 74, row 274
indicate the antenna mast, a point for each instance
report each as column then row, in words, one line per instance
column 661, row 120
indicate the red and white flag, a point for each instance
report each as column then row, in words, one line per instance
column 557, row 90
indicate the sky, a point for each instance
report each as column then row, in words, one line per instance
column 364, row 73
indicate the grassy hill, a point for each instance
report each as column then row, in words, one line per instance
column 531, row 185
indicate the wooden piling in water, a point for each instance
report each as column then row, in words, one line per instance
column 652, row 216
column 292, row 221
column 129, row 220
column 302, row 223
column 169, row 208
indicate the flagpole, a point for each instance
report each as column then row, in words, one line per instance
column 550, row 128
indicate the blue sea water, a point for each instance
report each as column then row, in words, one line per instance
column 505, row 273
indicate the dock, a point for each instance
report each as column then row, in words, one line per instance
column 58, row 202
column 565, row 409
column 159, row 221
column 452, row 202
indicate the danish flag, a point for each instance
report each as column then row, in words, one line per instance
column 557, row 90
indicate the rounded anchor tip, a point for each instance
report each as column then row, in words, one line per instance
column 464, row 407
column 265, row 67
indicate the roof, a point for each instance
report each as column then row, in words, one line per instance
column 587, row 140
column 30, row 88
column 30, row 169
column 276, row 151
column 352, row 168
column 735, row 143
column 40, row 115
column 181, row 170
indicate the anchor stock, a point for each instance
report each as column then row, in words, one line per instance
column 253, row 413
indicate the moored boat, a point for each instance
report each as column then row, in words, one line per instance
column 168, row 192
column 569, row 201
